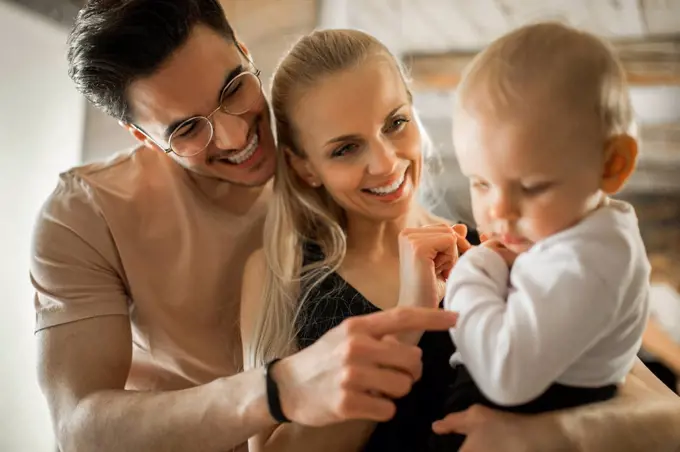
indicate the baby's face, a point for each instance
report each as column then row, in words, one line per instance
column 531, row 174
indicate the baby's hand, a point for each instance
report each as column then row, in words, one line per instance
column 507, row 255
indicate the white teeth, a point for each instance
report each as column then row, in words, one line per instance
column 246, row 153
column 386, row 190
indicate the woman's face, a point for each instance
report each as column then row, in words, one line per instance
column 361, row 142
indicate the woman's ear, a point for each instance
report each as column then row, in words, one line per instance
column 620, row 155
column 302, row 168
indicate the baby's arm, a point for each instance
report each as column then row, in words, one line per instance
column 516, row 348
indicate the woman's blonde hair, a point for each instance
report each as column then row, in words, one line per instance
column 299, row 214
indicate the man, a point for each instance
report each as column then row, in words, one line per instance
column 137, row 261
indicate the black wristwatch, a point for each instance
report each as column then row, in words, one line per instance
column 273, row 398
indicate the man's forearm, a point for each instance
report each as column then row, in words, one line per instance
column 345, row 437
column 218, row 416
column 650, row 424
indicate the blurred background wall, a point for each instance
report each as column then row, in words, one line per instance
column 46, row 127
column 42, row 121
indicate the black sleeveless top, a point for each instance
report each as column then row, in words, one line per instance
column 333, row 301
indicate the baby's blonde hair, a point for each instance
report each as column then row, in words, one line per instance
column 557, row 63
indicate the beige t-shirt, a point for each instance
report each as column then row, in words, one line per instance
column 137, row 236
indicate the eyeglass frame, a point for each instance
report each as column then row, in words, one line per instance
column 208, row 118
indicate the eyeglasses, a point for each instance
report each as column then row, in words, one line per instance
column 194, row 135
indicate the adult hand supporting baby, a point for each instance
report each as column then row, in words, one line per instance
column 489, row 430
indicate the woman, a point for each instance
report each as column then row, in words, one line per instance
column 350, row 160
column 345, row 189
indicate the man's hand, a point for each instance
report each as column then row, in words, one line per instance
column 356, row 370
column 489, row 430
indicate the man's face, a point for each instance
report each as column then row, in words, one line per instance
column 189, row 84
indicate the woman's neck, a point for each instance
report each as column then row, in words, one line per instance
column 375, row 239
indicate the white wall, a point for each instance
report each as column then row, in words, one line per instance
column 103, row 135
column 41, row 129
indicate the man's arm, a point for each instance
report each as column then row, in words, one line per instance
column 85, row 348
column 345, row 375
column 83, row 368
column 352, row 373
column 644, row 417
column 292, row 437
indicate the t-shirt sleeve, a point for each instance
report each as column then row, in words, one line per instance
column 75, row 267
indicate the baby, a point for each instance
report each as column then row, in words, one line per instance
column 553, row 305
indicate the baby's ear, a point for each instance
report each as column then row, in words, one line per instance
column 620, row 155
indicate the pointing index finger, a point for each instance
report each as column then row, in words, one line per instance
column 404, row 320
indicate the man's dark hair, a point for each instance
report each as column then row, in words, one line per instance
column 115, row 42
